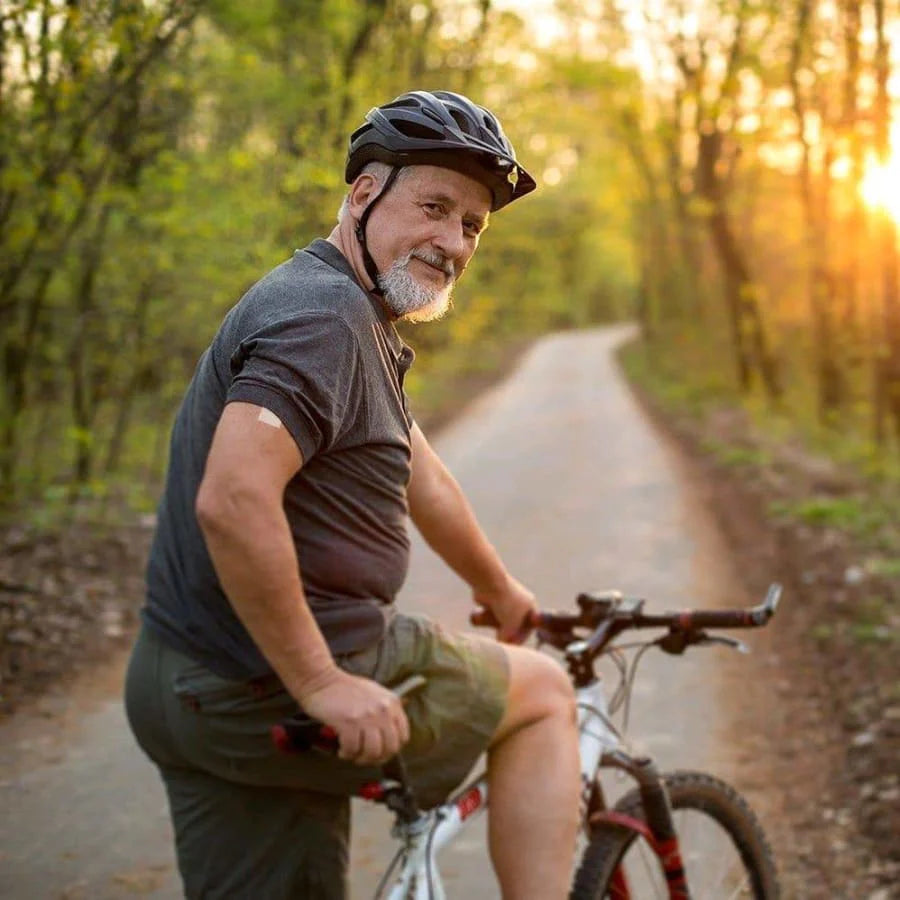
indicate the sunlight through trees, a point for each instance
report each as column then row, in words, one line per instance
column 719, row 170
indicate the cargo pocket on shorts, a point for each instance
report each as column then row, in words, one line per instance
column 202, row 691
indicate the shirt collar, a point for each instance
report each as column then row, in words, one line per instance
column 328, row 253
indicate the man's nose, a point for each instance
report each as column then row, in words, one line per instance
column 450, row 239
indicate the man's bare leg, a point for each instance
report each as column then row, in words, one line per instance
column 534, row 781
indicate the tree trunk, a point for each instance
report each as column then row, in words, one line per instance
column 18, row 343
column 817, row 214
column 891, row 298
column 750, row 343
column 887, row 375
column 83, row 375
column 848, row 325
column 126, row 398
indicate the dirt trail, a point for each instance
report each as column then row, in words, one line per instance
column 578, row 490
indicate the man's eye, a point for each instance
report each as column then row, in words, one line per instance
column 473, row 229
column 434, row 209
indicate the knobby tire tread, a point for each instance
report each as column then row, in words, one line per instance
column 687, row 790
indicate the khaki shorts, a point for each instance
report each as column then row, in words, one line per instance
column 250, row 821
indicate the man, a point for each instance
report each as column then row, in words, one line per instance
column 282, row 541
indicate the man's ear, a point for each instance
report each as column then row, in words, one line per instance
column 362, row 192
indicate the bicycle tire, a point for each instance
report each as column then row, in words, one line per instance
column 705, row 799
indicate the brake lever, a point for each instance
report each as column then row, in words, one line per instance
column 730, row 642
column 677, row 641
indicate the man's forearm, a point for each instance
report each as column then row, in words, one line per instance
column 256, row 562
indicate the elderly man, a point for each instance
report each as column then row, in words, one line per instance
column 281, row 543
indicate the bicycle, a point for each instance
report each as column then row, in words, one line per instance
column 646, row 844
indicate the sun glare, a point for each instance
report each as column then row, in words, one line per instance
column 880, row 186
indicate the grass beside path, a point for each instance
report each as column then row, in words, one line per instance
column 826, row 524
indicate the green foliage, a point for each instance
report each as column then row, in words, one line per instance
column 858, row 632
column 737, row 456
column 873, row 634
column 822, row 632
column 847, row 512
column 870, row 622
column 662, row 374
column 884, row 567
column 861, row 516
column 160, row 157
column 870, row 518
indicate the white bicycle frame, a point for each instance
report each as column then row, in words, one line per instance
column 423, row 839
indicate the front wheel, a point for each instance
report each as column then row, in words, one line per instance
column 723, row 848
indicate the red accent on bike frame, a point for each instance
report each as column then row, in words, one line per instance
column 684, row 621
column 669, row 854
column 468, row 803
column 630, row 822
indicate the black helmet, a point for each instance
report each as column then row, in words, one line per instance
column 440, row 128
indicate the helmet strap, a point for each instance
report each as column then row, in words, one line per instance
column 368, row 262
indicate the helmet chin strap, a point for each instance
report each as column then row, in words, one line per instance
column 368, row 262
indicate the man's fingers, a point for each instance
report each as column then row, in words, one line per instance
column 391, row 740
column 370, row 721
column 350, row 742
column 403, row 727
column 374, row 744
column 399, row 733
column 372, row 747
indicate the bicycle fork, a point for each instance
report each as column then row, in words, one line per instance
column 657, row 827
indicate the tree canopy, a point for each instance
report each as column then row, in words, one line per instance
column 704, row 166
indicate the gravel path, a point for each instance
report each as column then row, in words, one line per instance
column 577, row 491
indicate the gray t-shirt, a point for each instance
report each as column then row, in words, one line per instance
column 309, row 344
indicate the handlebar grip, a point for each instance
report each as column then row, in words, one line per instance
column 483, row 618
column 754, row 617
column 722, row 618
column 299, row 734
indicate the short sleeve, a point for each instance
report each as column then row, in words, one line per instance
column 307, row 371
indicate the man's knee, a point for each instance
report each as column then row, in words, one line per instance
column 539, row 688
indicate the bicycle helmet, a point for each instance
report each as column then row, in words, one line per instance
column 440, row 128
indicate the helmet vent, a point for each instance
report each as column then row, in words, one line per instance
column 417, row 130
column 464, row 124
column 489, row 125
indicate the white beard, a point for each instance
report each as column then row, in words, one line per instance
column 406, row 298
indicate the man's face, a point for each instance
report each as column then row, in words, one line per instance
column 422, row 236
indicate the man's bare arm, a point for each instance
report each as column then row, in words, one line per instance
column 241, row 513
column 447, row 521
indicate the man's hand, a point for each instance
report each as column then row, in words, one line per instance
column 369, row 719
column 512, row 606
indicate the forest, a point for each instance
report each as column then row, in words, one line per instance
column 720, row 171
column 724, row 173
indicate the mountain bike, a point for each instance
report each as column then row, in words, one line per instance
column 678, row 836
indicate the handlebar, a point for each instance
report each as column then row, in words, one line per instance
column 689, row 619
column 608, row 614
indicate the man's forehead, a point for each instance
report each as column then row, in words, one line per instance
column 450, row 186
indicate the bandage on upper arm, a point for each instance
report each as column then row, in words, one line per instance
column 267, row 417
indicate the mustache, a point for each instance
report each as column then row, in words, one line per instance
column 434, row 258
